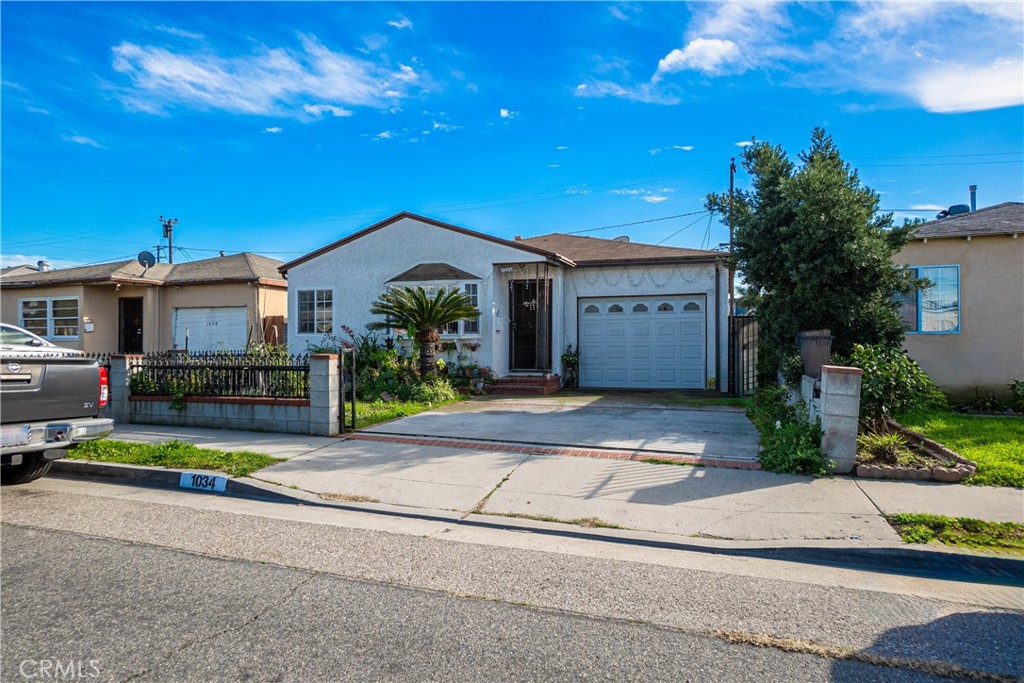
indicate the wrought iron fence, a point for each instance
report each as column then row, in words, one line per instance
column 219, row 373
column 103, row 358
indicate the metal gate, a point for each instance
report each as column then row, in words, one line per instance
column 347, row 390
column 742, row 355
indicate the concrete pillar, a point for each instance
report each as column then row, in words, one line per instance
column 840, row 411
column 121, row 368
column 324, row 394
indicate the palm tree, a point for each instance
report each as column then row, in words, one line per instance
column 415, row 309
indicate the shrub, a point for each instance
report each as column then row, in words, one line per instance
column 434, row 390
column 884, row 447
column 892, row 383
column 789, row 443
column 1017, row 395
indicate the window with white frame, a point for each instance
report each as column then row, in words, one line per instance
column 935, row 309
column 461, row 328
column 55, row 317
column 316, row 311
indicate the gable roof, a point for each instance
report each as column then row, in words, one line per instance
column 429, row 221
column 243, row 267
column 17, row 270
column 1002, row 219
column 430, row 272
column 592, row 251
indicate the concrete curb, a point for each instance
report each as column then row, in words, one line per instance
column 160, row 477
column 921, row 561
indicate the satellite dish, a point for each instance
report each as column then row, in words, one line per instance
column 146, row 259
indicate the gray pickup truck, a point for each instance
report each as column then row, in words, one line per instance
column 51, row 399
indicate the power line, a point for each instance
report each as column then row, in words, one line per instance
column 710, row 214
column 951, row 163
column 650, row 220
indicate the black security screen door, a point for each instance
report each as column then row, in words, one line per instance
column 530, row 322
column 130, row 325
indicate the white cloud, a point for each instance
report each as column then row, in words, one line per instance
column 743, row 143
column 507, row 113
column 179, row 32
column 8, row 260
column 887, row 49
column 578, row 189
column 642, row 92
column 37, row 110
column 655, row 196
column 927, row 207
column 321, row 109
column 268, row 82
column 444, row 127
column 659, row 150
column 385, row 135
column 954, row 89
column 562, row 148
column 82, row 140
column 400, row 23
column 274, row 130
column 710, row 55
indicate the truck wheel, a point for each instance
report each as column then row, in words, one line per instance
column 29, row 470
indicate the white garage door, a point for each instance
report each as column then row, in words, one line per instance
column 650, row 342
column 211, row 329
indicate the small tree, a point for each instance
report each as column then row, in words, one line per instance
column 814, row 251
column 415, row 309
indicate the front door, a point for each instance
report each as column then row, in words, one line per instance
column 530, row 322
column 130, row 325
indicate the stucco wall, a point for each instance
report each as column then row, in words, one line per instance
column 357, row 273
column 10, row 311
column 988, row 351
column 652, row 280
column 99, row 303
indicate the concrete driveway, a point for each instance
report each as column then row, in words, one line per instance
column 613, row 422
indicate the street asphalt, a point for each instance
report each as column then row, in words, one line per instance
column 164, row 585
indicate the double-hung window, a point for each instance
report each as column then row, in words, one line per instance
column 935, row 309
column 54, row 318
column 469, row 327
column 316, row 311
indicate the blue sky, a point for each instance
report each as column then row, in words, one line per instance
column 279, row 127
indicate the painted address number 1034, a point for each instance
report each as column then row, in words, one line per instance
column 202, row 482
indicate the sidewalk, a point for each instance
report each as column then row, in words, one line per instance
column 668, row 499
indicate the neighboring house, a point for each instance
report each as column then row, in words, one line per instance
column 643, row 316
column 18, row 270
column 123, row 307
column 967, row 330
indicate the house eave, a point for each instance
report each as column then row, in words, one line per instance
column 422, row 219
column 680, row 260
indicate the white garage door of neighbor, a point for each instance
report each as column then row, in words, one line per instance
column 211, row 329
column 648, row 342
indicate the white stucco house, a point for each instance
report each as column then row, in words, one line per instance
column 643, row 316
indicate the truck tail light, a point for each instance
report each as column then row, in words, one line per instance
column 104, row 386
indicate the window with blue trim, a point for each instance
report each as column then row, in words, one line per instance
column 934, row 309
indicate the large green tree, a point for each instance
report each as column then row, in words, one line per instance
column 423, row 314
column 814, row 250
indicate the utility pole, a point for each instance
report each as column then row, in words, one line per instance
column 168, row 224
column 732, row 275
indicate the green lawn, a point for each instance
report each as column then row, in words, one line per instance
column 373, row 413
column 995, row 443
column 961, row 531
column 172, row 454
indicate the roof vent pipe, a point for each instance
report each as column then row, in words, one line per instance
column 43, row 266
column 974, row 197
